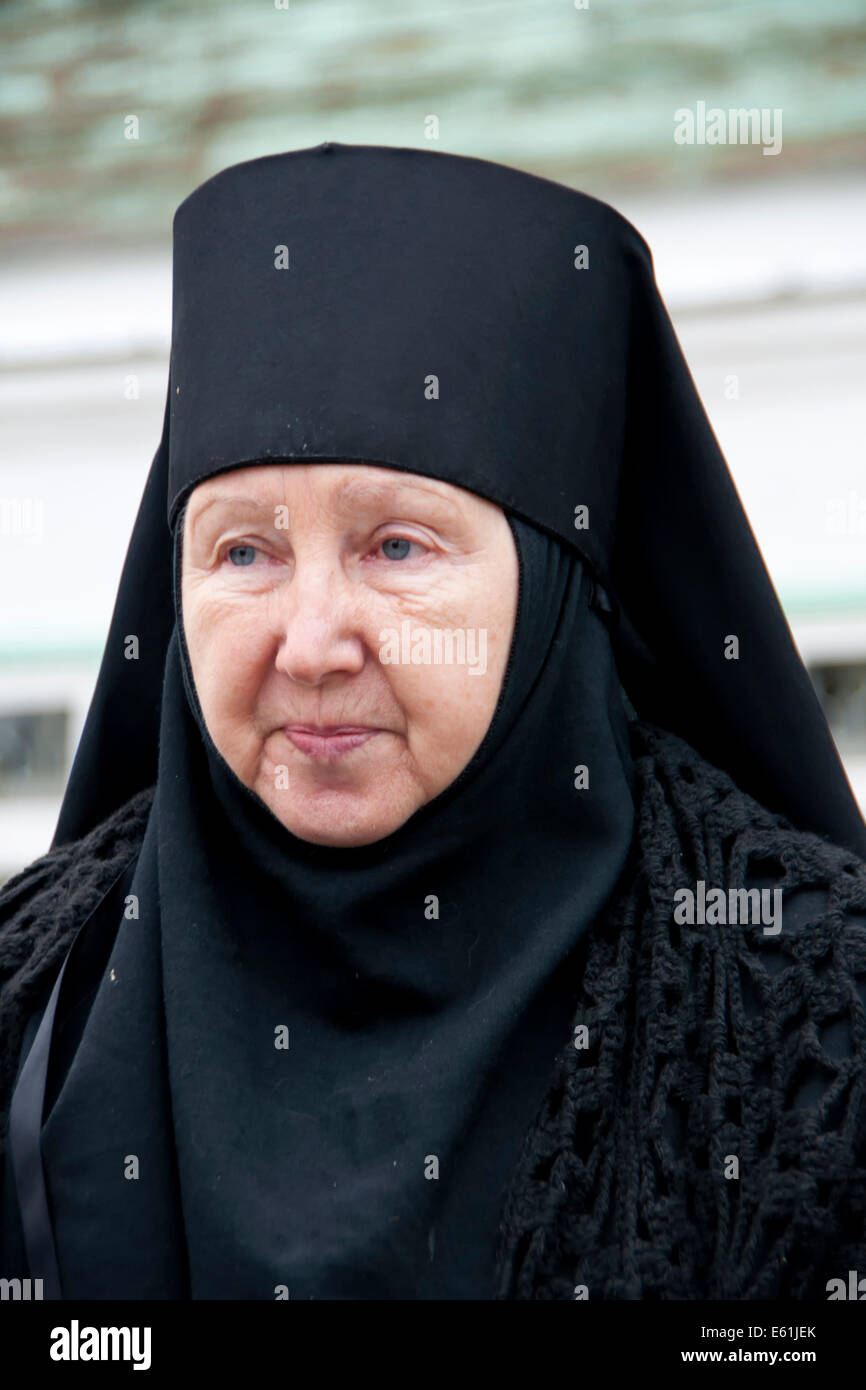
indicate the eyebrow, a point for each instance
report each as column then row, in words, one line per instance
column 249, row 503
column 351, row 493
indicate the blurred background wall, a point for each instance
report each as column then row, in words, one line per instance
column 111, row 113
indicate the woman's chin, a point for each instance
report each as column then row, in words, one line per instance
column 342, row 818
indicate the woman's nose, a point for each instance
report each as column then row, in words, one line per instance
column 316, row 620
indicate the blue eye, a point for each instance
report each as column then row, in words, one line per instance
column 247, row 550
column 396, row 541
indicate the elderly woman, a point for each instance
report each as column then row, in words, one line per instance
column 457, row 892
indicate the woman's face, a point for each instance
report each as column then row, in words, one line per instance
column 330, row 597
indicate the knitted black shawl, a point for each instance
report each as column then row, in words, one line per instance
column 705, row 1043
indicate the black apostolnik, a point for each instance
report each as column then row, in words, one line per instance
column 557, row 1086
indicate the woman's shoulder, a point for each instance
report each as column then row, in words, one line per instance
column 42, row 904
column 718, row 1035
column 754, row 953
column 714, row 866
column 687, row 805
column 40, row 909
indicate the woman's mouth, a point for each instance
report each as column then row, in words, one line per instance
column 329, row 741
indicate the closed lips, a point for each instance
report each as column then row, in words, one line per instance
column 329, row 730
column 330, row 740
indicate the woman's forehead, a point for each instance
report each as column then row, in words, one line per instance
column 350, row 487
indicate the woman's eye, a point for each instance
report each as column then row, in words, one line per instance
column 393, row 548
column 241, row 554
column 397, row 547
